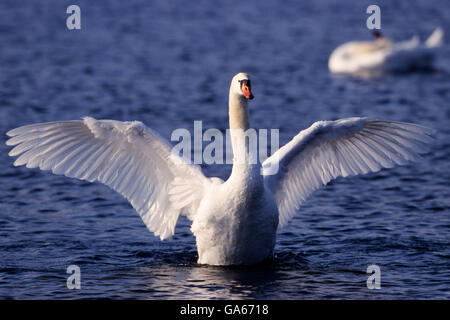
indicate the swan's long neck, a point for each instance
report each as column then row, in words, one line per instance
column 238, row 113
column 244, row 156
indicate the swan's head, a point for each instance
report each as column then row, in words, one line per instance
column 241, row 86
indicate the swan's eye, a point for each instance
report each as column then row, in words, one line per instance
column 245, row 83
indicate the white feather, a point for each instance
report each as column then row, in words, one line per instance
column 127, row 156
column 330, row 149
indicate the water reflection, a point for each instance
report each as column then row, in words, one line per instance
column 209, row 282
column 194, row 281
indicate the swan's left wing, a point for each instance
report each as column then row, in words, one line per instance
column 330, row 149
column 126, row 156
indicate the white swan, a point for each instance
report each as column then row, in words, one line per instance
column 234, row 221
column 383, row 55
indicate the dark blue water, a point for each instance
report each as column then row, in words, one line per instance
column 168, row 63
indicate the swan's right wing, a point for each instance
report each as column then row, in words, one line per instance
column 331, row 149
column 127, row 156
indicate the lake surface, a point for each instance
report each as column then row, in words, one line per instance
column 169, row 63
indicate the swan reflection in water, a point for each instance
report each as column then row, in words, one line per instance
column 287, row 276
column 216, row 282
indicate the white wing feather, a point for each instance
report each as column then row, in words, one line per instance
column 127, row 156
column 329, row 149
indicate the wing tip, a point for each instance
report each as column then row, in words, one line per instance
column 9, row 142
column 13, row 132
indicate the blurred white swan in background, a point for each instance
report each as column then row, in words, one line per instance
column 234, row 221
column 384, row 55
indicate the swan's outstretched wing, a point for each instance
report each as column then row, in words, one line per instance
column 329, row 149
column 127, row 156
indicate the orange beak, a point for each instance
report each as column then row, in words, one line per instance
column 246, row 89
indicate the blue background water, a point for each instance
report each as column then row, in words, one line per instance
column 168, row 63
